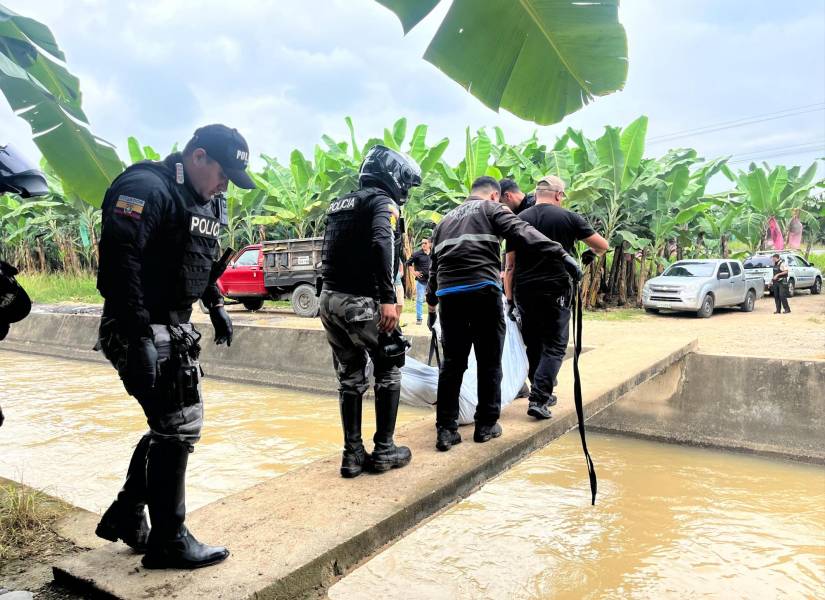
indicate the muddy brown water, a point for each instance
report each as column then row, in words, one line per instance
column 669, row 522
column 70, row 428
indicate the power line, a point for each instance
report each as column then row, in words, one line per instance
column 790, row 112
column 786, row 152
column 815, row 143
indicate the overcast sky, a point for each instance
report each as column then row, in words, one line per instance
column 286, row 71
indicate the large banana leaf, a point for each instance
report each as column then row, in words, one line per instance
column 539, row 59
column 43, row 92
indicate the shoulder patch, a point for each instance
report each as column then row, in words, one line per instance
column 394, row 215
column 128, row 206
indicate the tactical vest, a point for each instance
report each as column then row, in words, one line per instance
column 777, row 268
column 187, row 247
column 346, row 254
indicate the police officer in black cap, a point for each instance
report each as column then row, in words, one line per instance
column 158, row 250
column 361, row 254
column 17, row 176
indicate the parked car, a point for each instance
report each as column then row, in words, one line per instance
column 801, row 273
column 275, row 270
column 701, row 286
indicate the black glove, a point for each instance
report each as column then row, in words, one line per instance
column 588, row 256
column 572, row 268
column 141, row 366
column 222, row 324
column 513, row 312
column 431, row 317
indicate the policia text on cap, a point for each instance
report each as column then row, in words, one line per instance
column 465, row 283
column 158, row 246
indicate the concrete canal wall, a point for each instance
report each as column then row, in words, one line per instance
column 768, row 406
column 285, row 357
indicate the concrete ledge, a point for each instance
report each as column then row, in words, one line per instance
column 293, row 536
column 286, row 357
column 773, row 407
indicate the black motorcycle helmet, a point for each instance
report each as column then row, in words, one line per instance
column 15, row 303
column 392, row 171
column 18, row 177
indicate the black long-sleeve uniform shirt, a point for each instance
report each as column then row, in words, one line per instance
column 157, row 244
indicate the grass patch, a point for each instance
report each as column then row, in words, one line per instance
column 817, row 260
column 614, row 314
column 26, row 520
column 50, row 288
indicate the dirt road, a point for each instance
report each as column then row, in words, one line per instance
column 800, row 334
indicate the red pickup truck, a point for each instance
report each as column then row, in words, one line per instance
column 275, row 270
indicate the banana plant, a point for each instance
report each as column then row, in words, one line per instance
column 41, row 90
column 772, row 192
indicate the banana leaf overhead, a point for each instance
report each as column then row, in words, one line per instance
column 40, row 89
column 538, row 59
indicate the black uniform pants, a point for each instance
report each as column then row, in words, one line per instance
column 780, row 295
column 545, row 328
column 470, row 319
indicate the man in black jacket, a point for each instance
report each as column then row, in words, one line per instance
column 158, row 245
column 465, row 284
column 543, row 292
column 360, row 257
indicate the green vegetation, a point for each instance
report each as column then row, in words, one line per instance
column 26, row 520
column 49, row 288
column 818, row 260
column 619, row 314
column 651, row 210
column 538, row 52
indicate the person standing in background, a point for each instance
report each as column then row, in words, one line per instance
column 779, row 284
column 420, row 263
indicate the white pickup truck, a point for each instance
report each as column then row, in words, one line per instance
column 801, row 273
column 700, row 286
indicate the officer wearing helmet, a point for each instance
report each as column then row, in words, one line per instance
column 158, row 245
column 360, row 257
column 17, row 176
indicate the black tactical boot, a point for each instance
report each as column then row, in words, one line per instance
column 171, row 546
column 446, row 439
column 125, row 519
column 386, row 454
column 484, row 433
column 355, row 458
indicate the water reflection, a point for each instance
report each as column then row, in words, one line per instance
column 70, row 428
column 670, row 522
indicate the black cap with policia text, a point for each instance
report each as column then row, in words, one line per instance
column 229, row 149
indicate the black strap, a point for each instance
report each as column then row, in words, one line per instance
column 577, row 388
column 434, row 351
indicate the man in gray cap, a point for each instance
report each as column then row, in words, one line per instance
column 158, row 249
column 540, row 292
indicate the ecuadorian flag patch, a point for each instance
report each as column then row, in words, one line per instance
column 129, row 207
